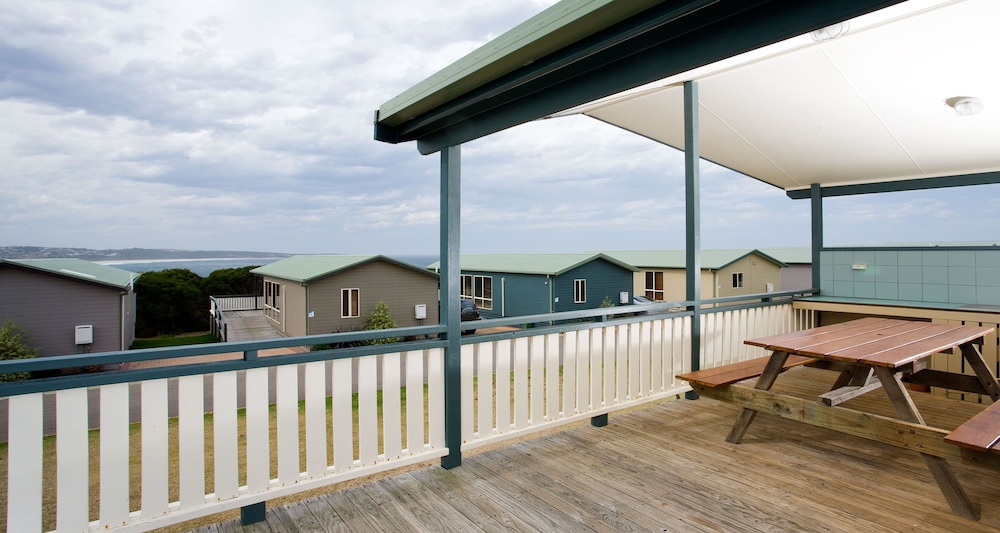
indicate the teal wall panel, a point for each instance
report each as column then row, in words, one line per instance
column 956, row 276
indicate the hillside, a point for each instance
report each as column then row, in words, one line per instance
column 87, row 254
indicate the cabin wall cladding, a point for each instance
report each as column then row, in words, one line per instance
column 962, row 276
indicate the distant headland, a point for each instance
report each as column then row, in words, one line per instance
column 126, row 254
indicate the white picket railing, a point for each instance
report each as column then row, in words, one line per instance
column 356, row 447
column 509, row 387
column 513, row 387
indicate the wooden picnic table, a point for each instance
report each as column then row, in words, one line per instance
column 873, row 353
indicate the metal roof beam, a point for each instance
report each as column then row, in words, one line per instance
column 965, row 180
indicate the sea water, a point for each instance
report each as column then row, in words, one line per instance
column 204, row 267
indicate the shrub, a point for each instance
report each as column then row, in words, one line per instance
column 14, row 345
column 381, row 318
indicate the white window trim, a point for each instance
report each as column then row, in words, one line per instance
column 480, row 299
column 345, row 293
column 577, row 285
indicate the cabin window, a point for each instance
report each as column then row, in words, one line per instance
column 350, row 303
column 654, row 285
column 579, row 291
column 479, row 289
column 737, row 280
column 272, row 301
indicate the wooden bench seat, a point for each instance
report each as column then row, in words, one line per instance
column 981, row 432
column 736, row 372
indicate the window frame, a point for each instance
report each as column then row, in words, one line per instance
column 580, row 291
column 737, row 280
column 479, row 289
column 350, row 296
column 651, row 292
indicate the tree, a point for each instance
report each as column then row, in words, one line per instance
column 14, row 345
column 381, row 318
column 169, row 302
column 231, row 282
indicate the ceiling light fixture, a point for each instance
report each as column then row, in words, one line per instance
column 830, row 32
column 965, row 105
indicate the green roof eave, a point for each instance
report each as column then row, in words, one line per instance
column 577, row 51
column 534, row 264
column 556, row 27
column 307, row 268
column 710, row 259
column 81, row 270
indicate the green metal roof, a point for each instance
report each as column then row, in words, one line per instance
column 81, row 270
column 710, row 259
column 790, row 254
column 554, row 28
column 306, row 268
column 541, row 264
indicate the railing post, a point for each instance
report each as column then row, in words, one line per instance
column 251, row 514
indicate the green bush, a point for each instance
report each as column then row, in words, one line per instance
column 381, row 318
column 169, row 302
column 14, row 345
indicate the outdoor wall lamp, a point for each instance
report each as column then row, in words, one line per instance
column 965, row 105
column 830, row 32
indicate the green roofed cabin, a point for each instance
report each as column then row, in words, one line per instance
column 316, row 294
column 661, row 274
column 528, row 284
column 69, row 306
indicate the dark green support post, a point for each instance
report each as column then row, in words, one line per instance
column 692, row 186
column 599, row 421
column 450, row 283
column 816, row 204
column 251, row 514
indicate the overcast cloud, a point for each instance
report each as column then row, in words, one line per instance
column 247, row 125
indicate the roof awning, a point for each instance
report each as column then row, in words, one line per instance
column 871, row 106
column 874, row 104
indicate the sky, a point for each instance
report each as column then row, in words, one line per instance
column 247, row 125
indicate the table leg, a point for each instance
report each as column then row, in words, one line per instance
column 764, row 382
column 854, row 376
column 940, row 469
column 975, row 359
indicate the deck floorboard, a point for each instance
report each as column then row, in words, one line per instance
column 668, row 468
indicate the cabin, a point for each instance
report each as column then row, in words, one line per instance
column 797, row 274
column 505, row 285
column 314, row 294
column 661, row 273
column 69, row 306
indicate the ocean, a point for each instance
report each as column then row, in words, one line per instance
column 204, row 267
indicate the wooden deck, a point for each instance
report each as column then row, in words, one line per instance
column 667, row 468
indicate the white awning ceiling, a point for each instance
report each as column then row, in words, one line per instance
column 868, row 106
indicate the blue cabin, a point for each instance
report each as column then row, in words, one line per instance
column 505, row 285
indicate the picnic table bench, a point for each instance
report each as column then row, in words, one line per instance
column 873, row 353
column 981, row 432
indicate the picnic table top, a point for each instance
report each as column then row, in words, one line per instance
column 873, row 341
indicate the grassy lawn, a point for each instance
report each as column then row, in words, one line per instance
column 174, row 340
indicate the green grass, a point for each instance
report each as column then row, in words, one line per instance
column 179, row 340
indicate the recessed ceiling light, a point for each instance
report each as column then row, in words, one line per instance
column 965, row 105
column 830, row 32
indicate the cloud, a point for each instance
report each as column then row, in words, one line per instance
column 229, row 124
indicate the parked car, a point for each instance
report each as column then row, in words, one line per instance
column 469, row 312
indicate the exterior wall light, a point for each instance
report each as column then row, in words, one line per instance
column 830, row 32
column 965, row 105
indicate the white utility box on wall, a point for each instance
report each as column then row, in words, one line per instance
column 85, row 334
column 420, row 311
